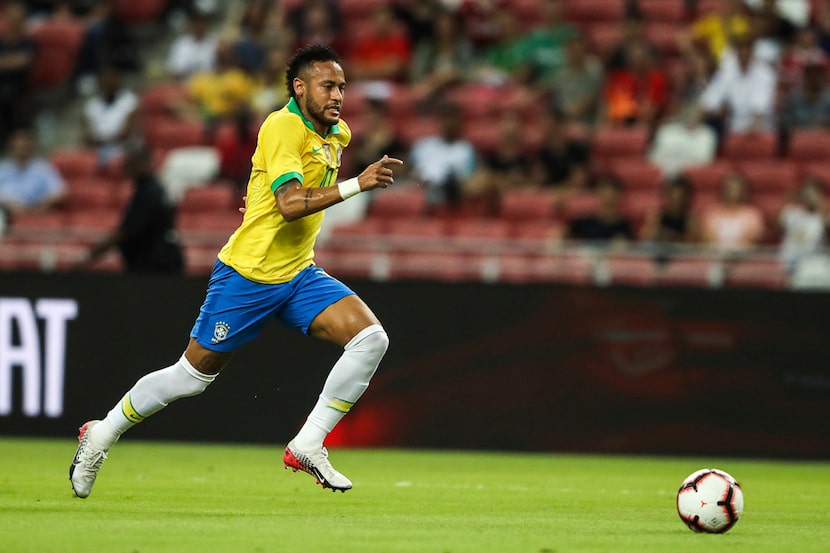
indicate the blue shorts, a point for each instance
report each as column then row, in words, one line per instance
column 236, row 309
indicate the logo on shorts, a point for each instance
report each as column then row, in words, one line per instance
column 220, row 331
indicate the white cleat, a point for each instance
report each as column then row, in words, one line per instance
column 317, row 465
column 87, row 462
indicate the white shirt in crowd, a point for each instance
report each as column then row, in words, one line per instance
column 678, row 145
column 189, row 55
column 803, row 233
column 435, row 159
column 107, row 120
column 746, row 94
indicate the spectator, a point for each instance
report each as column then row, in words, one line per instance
column 444, row 162
column 689, row 83
column 808, row 106
column 733, row 224
column 317, row 22
column 443, row 59
column 632, row 30
column 383, row 53
column 506, row 59
column 195, row 51
column 563, row 160
column 713, row 31
column 17, row 53
column 681, row 143
column 609, row 225
column 803, row 222
column 110, row 117
column 269, row 91
column 28, row 183
column 107, row 43
column 507, row 166
column 638, row 93
column 577, row 85
column 146, row 236
column 418, row 17
column 741, row 95
column 236, row 148
column 674, row 221
column 803, row 52
column 544, row 48
column 378, row 139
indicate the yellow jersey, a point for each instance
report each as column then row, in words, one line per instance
column 266, row 248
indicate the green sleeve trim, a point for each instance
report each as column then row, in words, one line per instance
column 285, row 178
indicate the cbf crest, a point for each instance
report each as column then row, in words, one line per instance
column 337, row 155
column 220, row 331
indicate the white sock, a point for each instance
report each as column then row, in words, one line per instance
column 149, row 395
column 346, row 382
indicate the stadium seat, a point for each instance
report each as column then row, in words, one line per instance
column 705, row 7
column 708, row 178
column 94, row 221
column 757, row 273
column 156, row 100
column 417, row 227
column 614, row 142
column 398, row 202
column 637, row 174
column 566, row 268
column 199, row 260
column 90, row 193
column 819, row 170
column 740, row 147
column 766, row 176
column 434, row 266
column 663, row 36
column 38, row 223
column 809, row 145
column 527, row 205
column 581, row 204
column 223, row 223
column 603, row 37
column 57, row 43
column 479, row 236
column 697, row 272
column 215, row 197
column 482, row 134
column 364, row 228
column 145, row 11
column 478, row 100
column 357, row 9
column 633, row 270
column 355, row 264
column 670, row 11
column 74, row 162
column 411, row 128
column 588, row 11
column 770, row 203
column 536, row 230
column 168, row 134
column 638, row 204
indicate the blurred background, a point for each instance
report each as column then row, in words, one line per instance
column 610, row 234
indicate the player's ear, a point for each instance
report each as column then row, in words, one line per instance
column 299, row 86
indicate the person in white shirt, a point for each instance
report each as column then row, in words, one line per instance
column 804, row 224
column 195, row 51
column 110, row 117
column 742, row 91
column 682, row 142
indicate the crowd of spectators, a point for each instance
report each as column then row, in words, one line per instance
column 484, row 97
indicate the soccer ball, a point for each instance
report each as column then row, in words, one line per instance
column 710, row 501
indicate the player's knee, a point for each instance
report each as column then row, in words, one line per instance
column 191, row 382
column 372, row 342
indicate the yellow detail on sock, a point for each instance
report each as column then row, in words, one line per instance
column 129, row 411
column 340, row 405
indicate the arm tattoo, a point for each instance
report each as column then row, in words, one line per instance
column 307, row 197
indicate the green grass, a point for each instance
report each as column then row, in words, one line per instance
column 165, row 497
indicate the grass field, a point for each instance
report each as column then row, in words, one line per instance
column 165, row 497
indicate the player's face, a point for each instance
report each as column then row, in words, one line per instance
column 320, row 94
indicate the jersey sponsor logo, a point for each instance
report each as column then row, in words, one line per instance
column 220, row 331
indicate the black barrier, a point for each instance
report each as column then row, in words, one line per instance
column 739, row 372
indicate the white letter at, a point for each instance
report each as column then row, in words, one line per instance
column 25, row 355
column 56, row 313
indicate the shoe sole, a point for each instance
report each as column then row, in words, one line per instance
column 81, row 433
column 291, row 462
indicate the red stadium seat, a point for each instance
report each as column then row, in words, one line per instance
column 538, row 230
column 638, row 174
column 57, row 43
column 612, row 142
column 434, row 266
column 90, row 194
column 411, row 128
column 663, row 36
column 145, row 11
column 215, row 197
column 157, row 100
column 580, row 205
column 688, row 272
column 223, row 223
column 636, row 270
column 588, row 11
column 770, row 176
column 95, row 221
column 708, row 178
column 809, row 145
column 417, row 228
column 72, row 162
column 167, row 134
column 364, row 228
column 706, row 7
column 818, row 170
column 356, row 9
column 477, row 229
column 398, row 202
column 757, row 273
column 567, row 268
column 743, row 146
column 482, row 134
column 44, row 222
column 638, row 204
column 673, row 11
column 603, row 37
column 527, row 205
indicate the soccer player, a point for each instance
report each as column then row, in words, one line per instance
column 266, row 270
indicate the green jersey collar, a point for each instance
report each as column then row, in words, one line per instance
column 295, row 109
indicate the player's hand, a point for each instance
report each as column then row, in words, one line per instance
column 380, row 174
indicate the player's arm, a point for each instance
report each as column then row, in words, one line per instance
column 295, row 202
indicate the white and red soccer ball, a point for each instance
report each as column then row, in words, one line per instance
column 710, row 501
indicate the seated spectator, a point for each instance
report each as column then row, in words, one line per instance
column 638, row 93
column 383, row 53
column 690, row 82
column 808, row 105
column 444, row 162
column 741, row 95
column 270, row 93
column 419, row 17
column 766, row 29
column 220, row 93
column 674, row 222
column 609, row 224
column 803, row 222
column 682, row 142
column 577, row 85
column 194, row 51
column 146, row 236
column 28, row 183
column 803, row 52
column 507, row 166
column 562, row 159
column 443, row 59
column 632, row 30
column 317, row 22
column 107, row 43
column 785, row 16
column 544, row 48
column 713, row 31
column 733, row 224
column 110, row 117
column 506, row 59
column 17, row 54
column 379, row 138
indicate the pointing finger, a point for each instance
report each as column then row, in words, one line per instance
column 386, row 160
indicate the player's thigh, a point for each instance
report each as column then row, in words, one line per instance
column 342, row 320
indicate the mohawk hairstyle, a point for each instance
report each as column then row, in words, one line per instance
column 303, row 59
